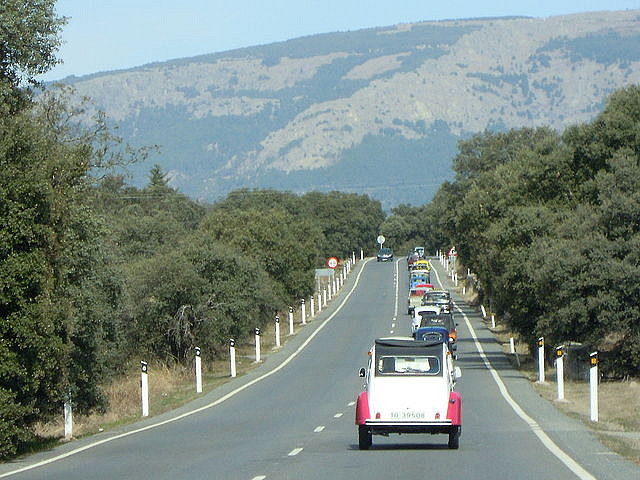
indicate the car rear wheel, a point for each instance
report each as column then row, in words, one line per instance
column 454, row 438
column 364, row 438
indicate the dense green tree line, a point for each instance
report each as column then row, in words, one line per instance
column 551, row 225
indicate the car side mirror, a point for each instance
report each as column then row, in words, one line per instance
column 362, row 373
column 457, row 373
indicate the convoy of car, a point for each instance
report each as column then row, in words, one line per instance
column 410, row 381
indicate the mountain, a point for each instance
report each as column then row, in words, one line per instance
column 375, row 111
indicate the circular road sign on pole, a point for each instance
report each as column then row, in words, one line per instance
column 332, row 262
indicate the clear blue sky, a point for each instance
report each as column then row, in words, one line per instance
column 115, row 34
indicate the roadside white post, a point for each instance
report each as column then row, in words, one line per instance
column 329, row 287
column 512, row 346
column 560, row 371
column 277, row 331
column 232, row 356
column 361, row 254
column 198, row 361
column 353, row 256
column 493, row 321
column 484, row 312
column 593, row 385
column 312, row 306
column 455, row 278
column 464, row 289
column 319, row 302
column 324, row 297
column 68, row 418
column 144, row 388
column 290, row 320
column 303, row 312
column 257, row 332
column 541, row 360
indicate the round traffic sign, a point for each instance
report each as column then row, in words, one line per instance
column 332, row 262
column 381, row 239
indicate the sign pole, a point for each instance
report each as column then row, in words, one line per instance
column 593, row 385
column 541, row 360
column 290, row 320
column 144, row 388
column 198, row 360
column 257, row 332
column 560, row 371
column 68, row 417
column 232, row 356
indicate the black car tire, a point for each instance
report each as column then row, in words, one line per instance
column 364, row 438
column 454, row 438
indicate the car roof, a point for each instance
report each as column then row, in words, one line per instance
column 404, row 342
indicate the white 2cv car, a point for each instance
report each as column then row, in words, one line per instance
column 409, row 388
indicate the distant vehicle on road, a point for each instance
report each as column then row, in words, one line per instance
column 416, row 293
column 385, row 254
column 409, row 389
column 439, row 298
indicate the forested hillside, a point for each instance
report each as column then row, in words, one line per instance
column 376, row 111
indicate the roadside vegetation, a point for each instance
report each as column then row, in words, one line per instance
column 550, row 224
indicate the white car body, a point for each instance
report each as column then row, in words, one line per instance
column 409, row 389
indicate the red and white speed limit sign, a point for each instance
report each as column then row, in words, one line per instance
column 332, row 262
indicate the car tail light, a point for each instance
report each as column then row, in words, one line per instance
column 437, row 415
column 377, row 415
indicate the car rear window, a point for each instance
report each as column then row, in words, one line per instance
column 419, row 365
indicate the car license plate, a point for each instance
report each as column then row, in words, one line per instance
column 408, row 415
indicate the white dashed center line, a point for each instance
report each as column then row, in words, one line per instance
column 338, row 415
column 295, row 451
column 319, row 429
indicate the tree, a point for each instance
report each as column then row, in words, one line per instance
column 28, row 43
column 285, row 246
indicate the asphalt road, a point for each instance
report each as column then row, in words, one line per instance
column 293, row 418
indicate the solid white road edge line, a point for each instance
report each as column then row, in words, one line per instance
column 571, row 464
column 205, row 407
